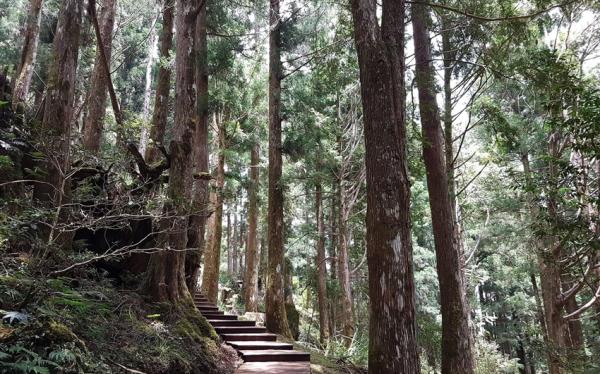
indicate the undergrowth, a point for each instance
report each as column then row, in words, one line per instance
column 88, row 325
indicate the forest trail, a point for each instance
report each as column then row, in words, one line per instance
column 260, row 350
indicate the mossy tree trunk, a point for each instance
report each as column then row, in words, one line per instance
column 165, row 280
column 276, row 319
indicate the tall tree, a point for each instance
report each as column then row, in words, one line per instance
column 212, row 258
column 165, row 278
column 55, row 132
column 392, row 323
column 163, row 84
column 252, row 258
column 276, row 319
column 152, row 48
column 321, row 267
column 93, row 122
column 28, row 53
column 198, row 218
column 456, row 343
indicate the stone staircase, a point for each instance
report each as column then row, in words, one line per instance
column 259, row 349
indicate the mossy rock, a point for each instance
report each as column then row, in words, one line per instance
column 58, row 333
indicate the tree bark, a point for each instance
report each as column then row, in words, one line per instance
column 28, row 54
column 346, row 313
column 276, row 319
column 152, row 47
column 54, row 191
column 212, row 260
column 93, row 122
column 169, row 283
column 229, row 246
column 392, row 322
column 252, row 258
column 457, row 356
column 200, row 213
column 163, row 85
column 321, row 268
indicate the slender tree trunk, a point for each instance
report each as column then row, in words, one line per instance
column 169, row 282
column 251, row 272
column 55, row 133
column 392, row 322
column 457, row 356
column 199, row 216
column 236, row 242
column 93, row 123
column 152, row 47
column 321, row 268
column 212, row 260
column 163, row 85
column 229, row 256
column 276, row 319
column 346, row 313
column 28, row 54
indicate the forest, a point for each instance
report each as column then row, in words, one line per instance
column 312, row 186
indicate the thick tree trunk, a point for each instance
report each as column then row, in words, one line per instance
column 321, row 268
column 252, row 258
column 93, row 122
column 28, row 54
column 212, row 259
column 575, row 339
column 276, row 319
column 169, row 283
column 163, row 85
column 392, row 322
column 199, row 216
column 457, row 356
column 55, row 133
column 236, row 242
column 152, row 47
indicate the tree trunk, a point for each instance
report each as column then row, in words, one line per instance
column 251, row 273
column 276, row 319
column 229, row 246
column 321, row 268
column 457, row 356
column 199, row 216
column 575, row 338
column 392, row 322
column 163, row 85
column 169, row 283
column 212, row 260
column 28, row 54
column 93, row 122
column 550, row 284
column 54, row 191
column 346, row 314
column 236, row 242
column 152, row 47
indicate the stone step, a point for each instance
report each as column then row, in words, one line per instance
column 220, row 317
column 202, row 303
column 211, row 312
column 249, row 345
column 240, row 330
column 207, row 308
column 266, row 355
column 261, row 337
column 223, row 323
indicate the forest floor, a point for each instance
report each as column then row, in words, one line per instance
column 87, row 323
